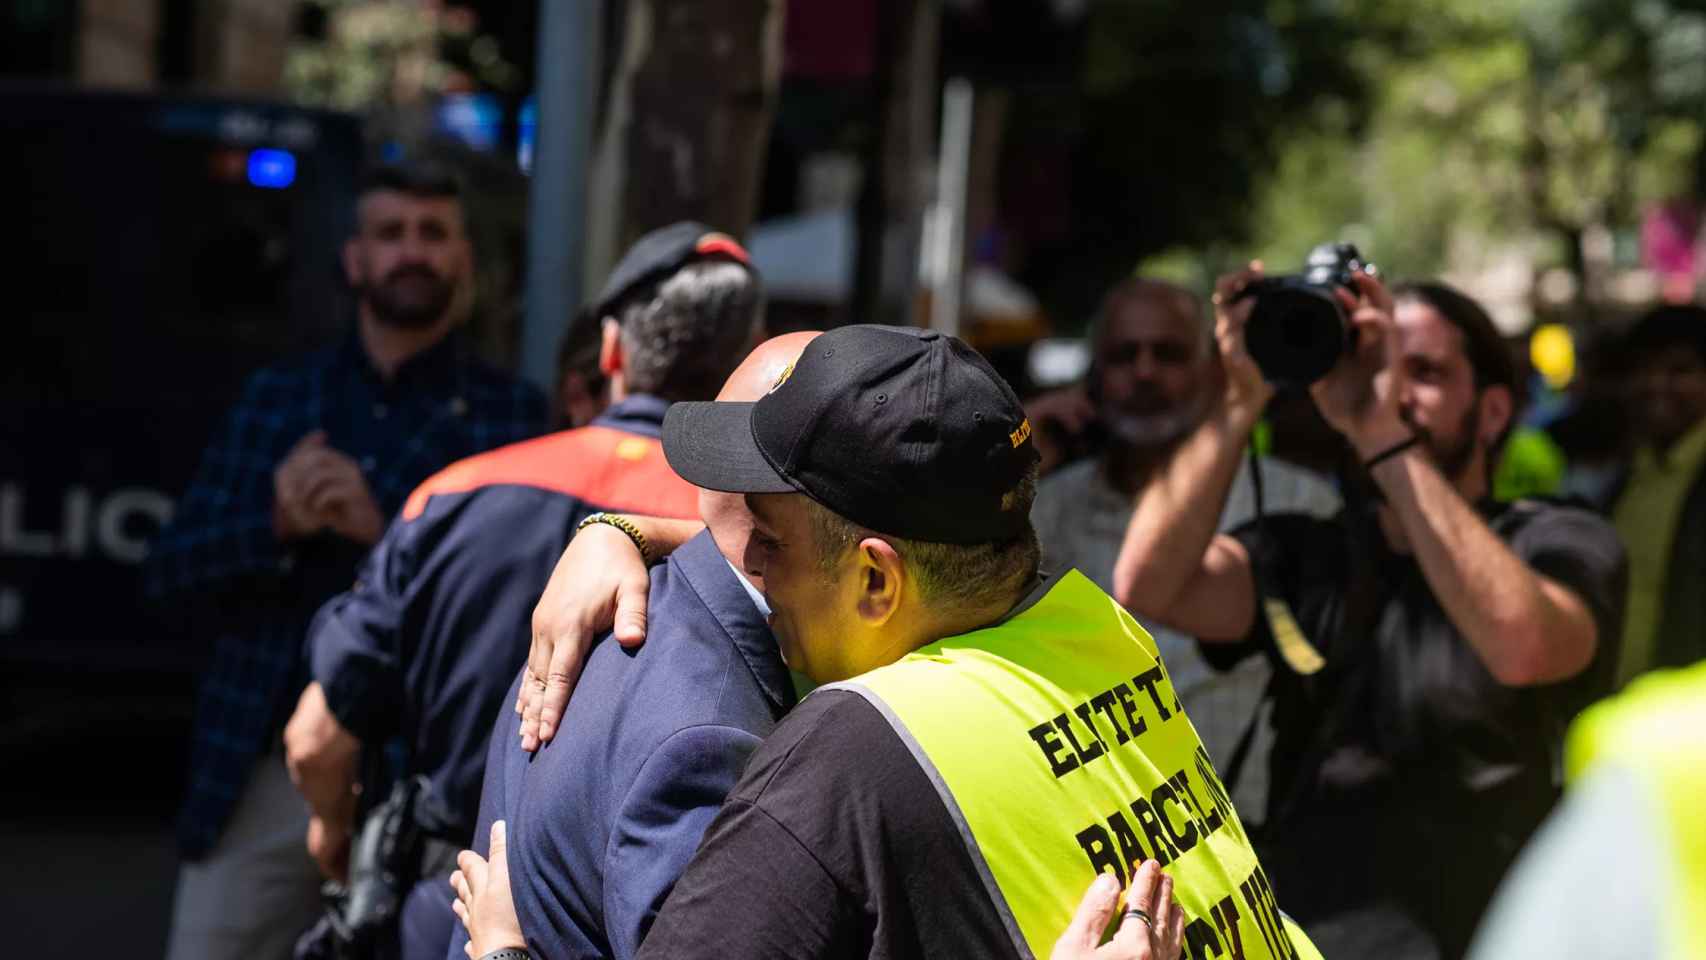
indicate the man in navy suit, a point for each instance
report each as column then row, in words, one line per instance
column 604, row 819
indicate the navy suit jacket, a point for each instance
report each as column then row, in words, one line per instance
column 602, row 820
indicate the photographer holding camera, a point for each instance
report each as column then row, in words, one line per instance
column 1153, row 375
column 1421, row 639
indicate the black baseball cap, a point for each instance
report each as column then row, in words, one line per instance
column 659, row 254
column 904, row 431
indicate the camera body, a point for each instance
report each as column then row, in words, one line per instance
column 1298, row 329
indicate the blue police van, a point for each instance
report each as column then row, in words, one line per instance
column 161, row 248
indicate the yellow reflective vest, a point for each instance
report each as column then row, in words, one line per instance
column 1656, row 730
column 1056, row 742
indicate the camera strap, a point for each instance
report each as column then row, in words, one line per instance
column 1241, row 752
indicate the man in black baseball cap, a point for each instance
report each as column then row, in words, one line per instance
column 986, row 742
column 895, row 431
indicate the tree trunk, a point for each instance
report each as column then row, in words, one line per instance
column 685, row 120
column 895, row 162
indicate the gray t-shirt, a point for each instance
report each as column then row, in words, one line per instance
column 1081, row 521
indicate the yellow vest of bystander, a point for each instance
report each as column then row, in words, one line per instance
column 1657, row 730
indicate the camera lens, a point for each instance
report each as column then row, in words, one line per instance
column 1295, row 334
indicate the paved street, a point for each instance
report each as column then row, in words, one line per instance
column 85, row 815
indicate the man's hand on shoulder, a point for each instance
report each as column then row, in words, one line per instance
column 483, row 901
column 599, row 583
column 1152, row 926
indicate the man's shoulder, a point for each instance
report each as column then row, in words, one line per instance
column 601, row 466
column 1565, row 539
column 687, row 676
column 690, row 672
column 838, row 778
column 1550, row 517
column 833, row 747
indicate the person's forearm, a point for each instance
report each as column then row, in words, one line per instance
column 1505, row 610
column 663, row 535
column 1177, row 515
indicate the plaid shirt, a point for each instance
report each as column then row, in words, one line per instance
column 252, row 595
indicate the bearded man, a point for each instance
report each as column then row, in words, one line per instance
column 1429, row 643
column 298, row 483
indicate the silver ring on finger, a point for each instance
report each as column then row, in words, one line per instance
column 1141, row 914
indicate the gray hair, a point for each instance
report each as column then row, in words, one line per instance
column 683, row 336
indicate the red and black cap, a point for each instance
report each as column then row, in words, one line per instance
column 659, row 254
column 901, row 430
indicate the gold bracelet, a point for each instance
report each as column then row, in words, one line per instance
column 626, row 526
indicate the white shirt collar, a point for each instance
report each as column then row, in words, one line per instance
column 751, row 591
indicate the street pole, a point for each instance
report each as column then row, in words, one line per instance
column 945, row 222
column 570, row 37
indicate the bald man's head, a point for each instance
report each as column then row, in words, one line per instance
column 764, row 366
column 725, row 513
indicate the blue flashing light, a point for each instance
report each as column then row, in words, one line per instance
column 473, row 118
column 528, row 133
column 272, row 169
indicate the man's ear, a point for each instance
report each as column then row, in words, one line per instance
column 881, row 576
column 610, row 359
column 1497, row 406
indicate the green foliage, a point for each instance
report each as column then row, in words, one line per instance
column 1492, row 124
column 1432, row 133
column 387, row 53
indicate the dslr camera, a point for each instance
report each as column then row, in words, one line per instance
column 1298, row 328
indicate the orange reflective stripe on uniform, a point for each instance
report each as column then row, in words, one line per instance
column 613, row 469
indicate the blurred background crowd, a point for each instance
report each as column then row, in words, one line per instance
column 1053, row 180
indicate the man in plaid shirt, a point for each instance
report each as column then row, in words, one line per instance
column 295, row 486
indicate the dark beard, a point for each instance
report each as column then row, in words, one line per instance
column 409, row 298
column 1454, row 458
